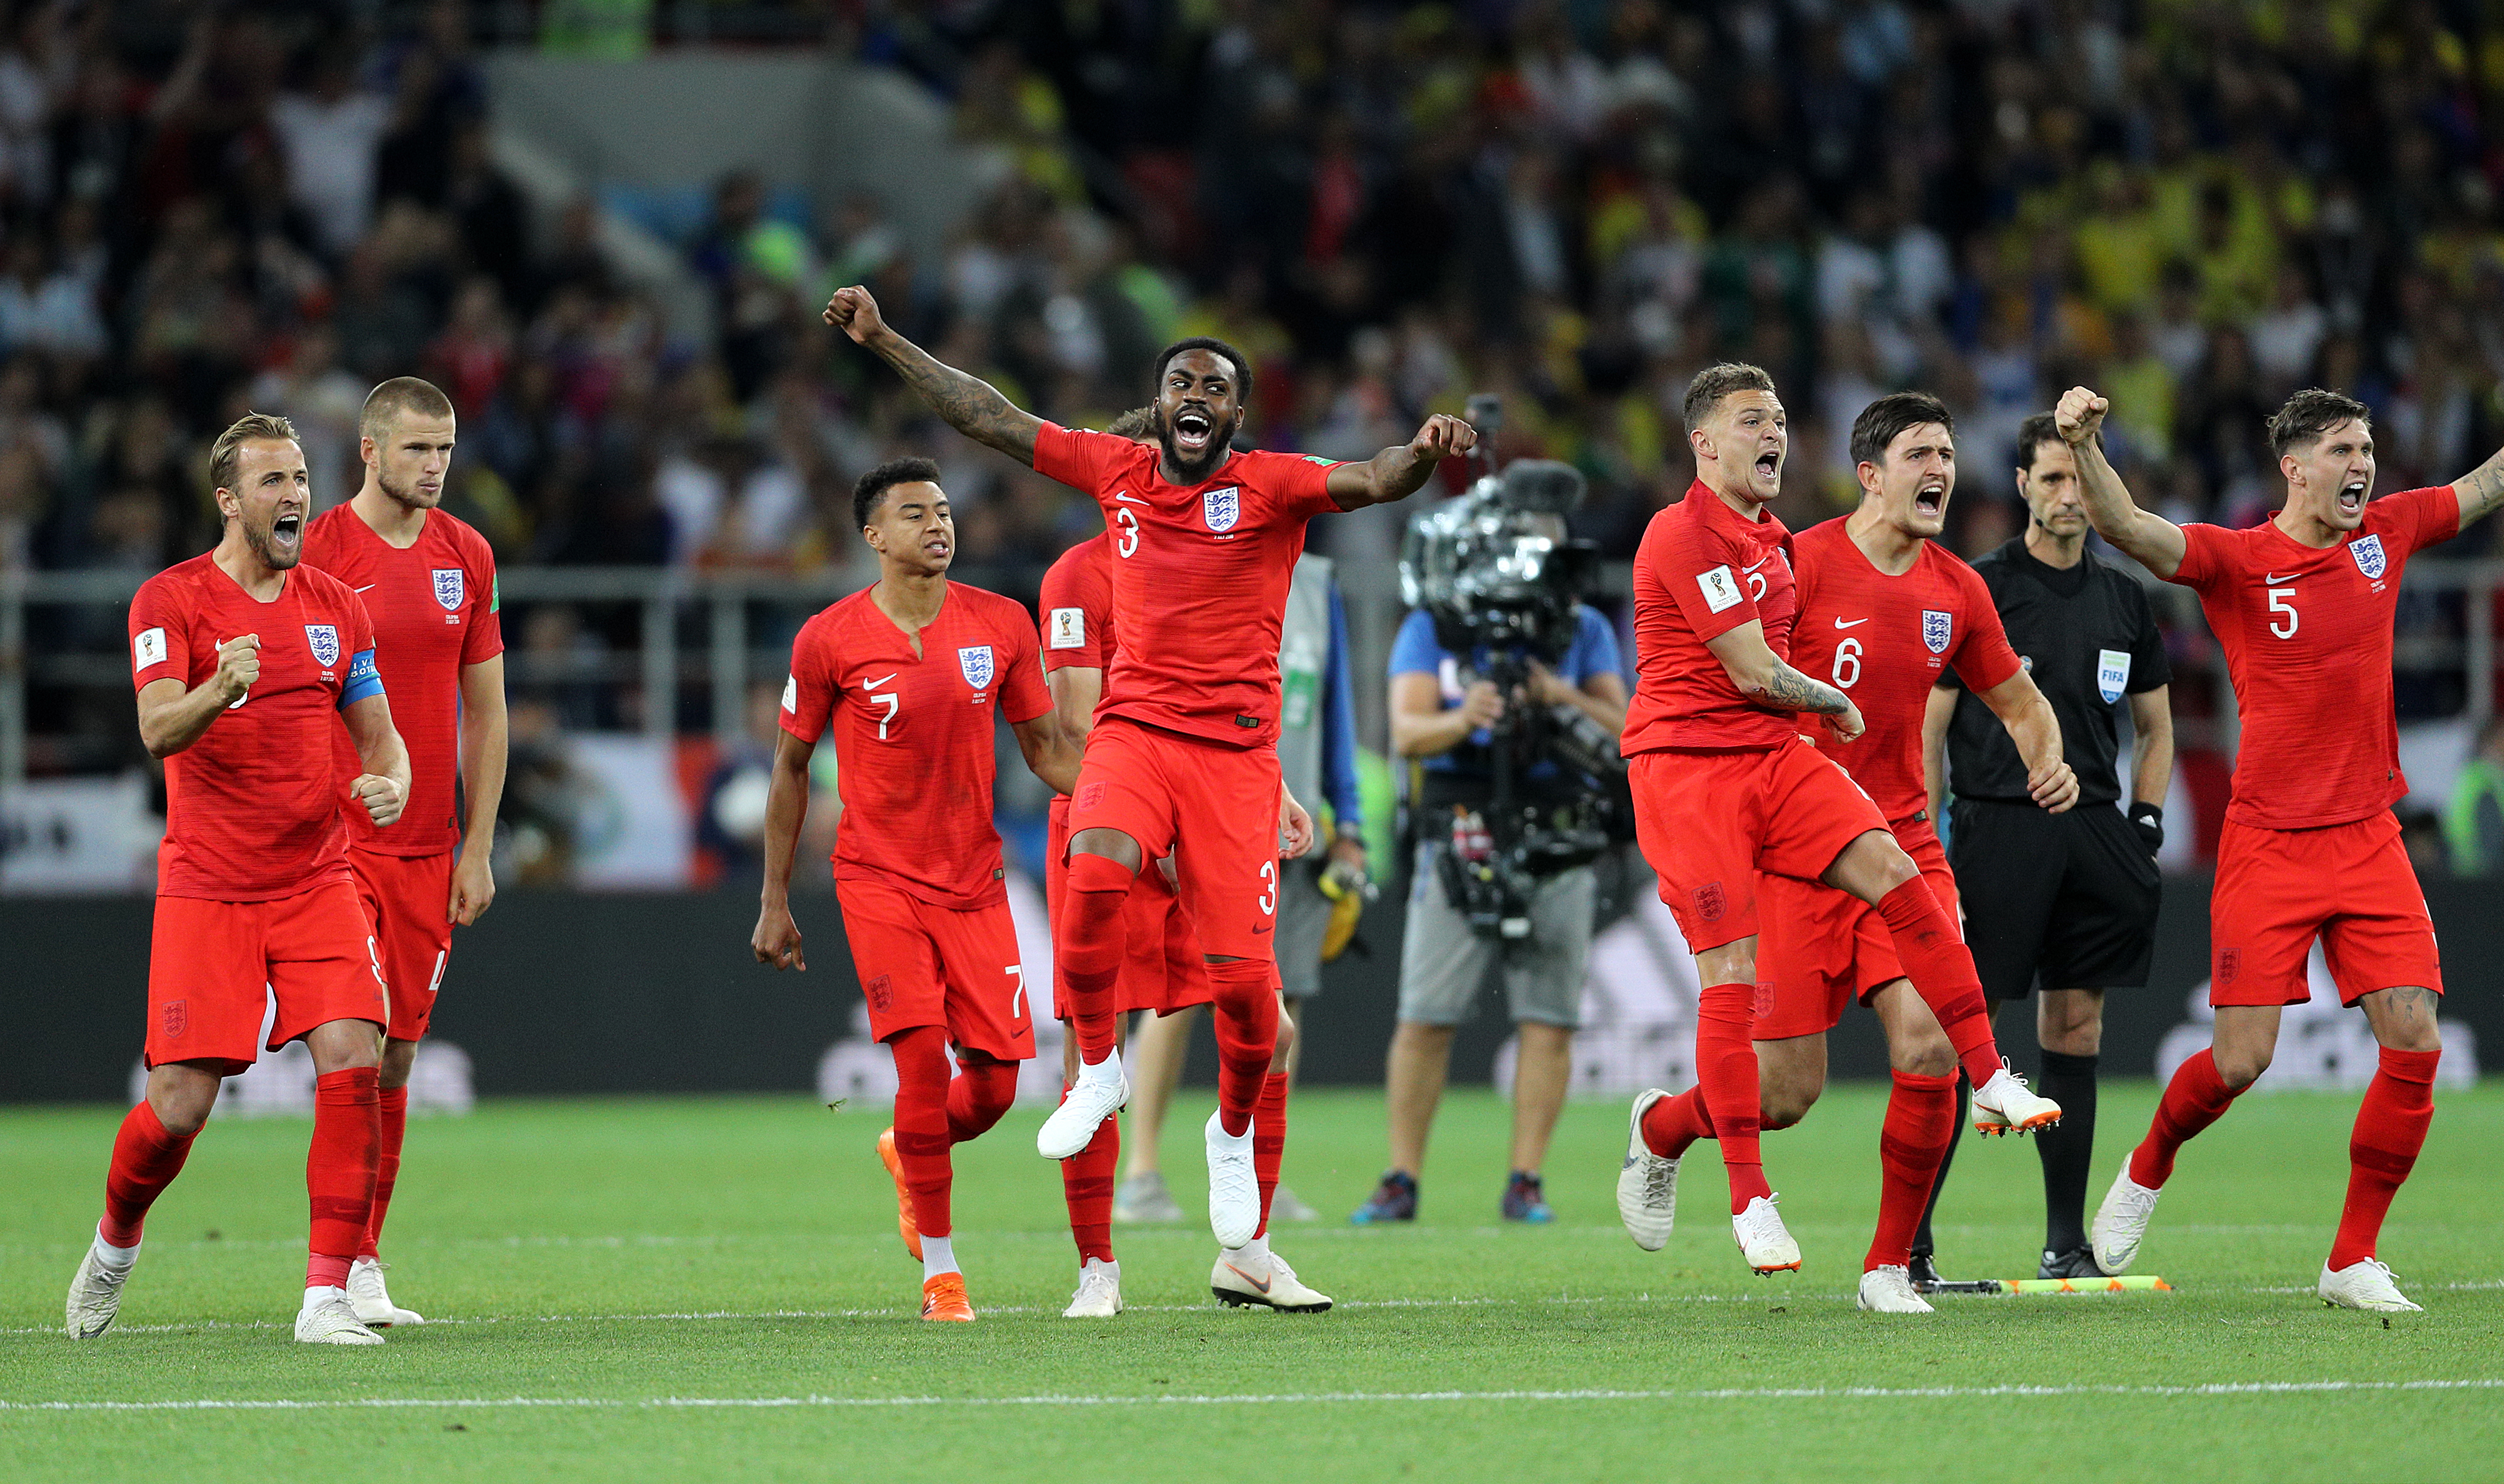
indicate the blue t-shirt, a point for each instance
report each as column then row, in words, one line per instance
column 1594, row 652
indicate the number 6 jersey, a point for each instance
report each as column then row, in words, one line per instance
column 913, row 735
column 2306, row 633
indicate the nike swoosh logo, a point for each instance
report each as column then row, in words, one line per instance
column 367, row 588
column 2274, row 579
column 1262, row 1284
column 1124, row 496
column 881, row 681
column 1760, row 561
column 1855, row 624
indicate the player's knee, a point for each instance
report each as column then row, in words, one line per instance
column 1286, row 1038
column 182, row 1109
column 2240, row 1067
column 1105, row 845
column 1094, row 872
column 1889, row 867
column 1786, row 1107
column 398, row 1060
column 1926, row 1058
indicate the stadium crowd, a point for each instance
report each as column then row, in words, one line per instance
column 1574, row 203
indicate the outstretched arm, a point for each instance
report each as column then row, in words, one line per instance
column 2153, row 541
column 967, row 402
column 1396, row 473
column 2481, row 490
column 2036, row 731
column 1764, row 678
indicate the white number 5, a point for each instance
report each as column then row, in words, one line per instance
column 2282, row 600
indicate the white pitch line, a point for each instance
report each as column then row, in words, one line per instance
column 1714, row 1394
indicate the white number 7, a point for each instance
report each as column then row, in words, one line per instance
column 1017, row 994
column 895, row 703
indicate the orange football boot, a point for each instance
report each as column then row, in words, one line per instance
column 903, row 1196
column 944, row 1301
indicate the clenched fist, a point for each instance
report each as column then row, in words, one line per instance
column 854, row 312
column 2080, row 414
column 380, row 795
column 239, row 667
column 1443, row 438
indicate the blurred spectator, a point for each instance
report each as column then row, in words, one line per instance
column 2473, row 822
column 730, row 819
column 330, row 131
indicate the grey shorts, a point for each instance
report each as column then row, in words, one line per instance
column 1304, row 917
column 1443, row 963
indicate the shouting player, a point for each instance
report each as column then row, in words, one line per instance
column 1182, row 760
column 1725, row 786
column 429, row 582
column 911, row 672
column 245, row 664
column 2302, row 605
column 1884, row 613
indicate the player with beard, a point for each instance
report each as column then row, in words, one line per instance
column 2302, row 605
column 1725, row 787
column 245, row 663
column 1884, row 612
column 1182, row 759
column 429, row 581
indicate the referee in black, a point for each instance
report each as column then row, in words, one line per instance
column 2063, row 902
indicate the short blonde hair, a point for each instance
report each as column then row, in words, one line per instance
column 249, row 427
column 398, row 397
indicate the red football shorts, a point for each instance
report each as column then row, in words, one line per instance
column 1708, row 823
column 408, row 900
column 1824, row 949
column 1161, row 964
column 1213, row 808
column 2350, row 884
column 923, row 964
column 213, row 968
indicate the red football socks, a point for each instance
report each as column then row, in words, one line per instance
column 1087, row 1185
column 2195, row 1098
column 1941, row 968
column 1725, row 1074
column 1087, row 945
column 2390, row 1130
column 921, row 1124
column 978, row 1095
column 1921, row 1117
column 339, row 1170
column 1672, row 1124
column 1268, row 1141
column 146, row 1158
column 1245, row 1013
column 394, row 1102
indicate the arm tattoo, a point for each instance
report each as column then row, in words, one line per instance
column 1790, row 691
column 2481, row 490
column 964, row 401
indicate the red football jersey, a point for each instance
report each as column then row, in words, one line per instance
column 1201, row 574
column 1077, row 602
column 2308, row 640
column 434, row 611
column 913, row 735
column 1702, row 570
column 252, row 809
column 1884, row 642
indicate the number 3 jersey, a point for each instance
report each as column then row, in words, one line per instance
column 2307, row 639
column 914, row 735
column 1885, row 640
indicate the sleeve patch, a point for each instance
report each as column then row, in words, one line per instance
column 791, row 694
column 1721, row 589
column 1069, row 628
column 148, row 648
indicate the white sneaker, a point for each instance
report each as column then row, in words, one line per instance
column 1233, row 1190
column 2121, row 1221
column 1101, row 1092
column 329, row 1319
column 1245, row 1280
column 2365, row 1284
column 1648, row 1183
column 96, row 1297
column 1762, row 1241
column 1889, row 1290
column 1284, row 1206
column 374, row 1305
column 2005, row 1106
column 1100, row 1290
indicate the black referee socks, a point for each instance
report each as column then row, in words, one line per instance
column 2068, row 1149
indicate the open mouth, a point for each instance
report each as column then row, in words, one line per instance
column 2351, row 496
column 1930, row 498
column 1769, row 466
column 1192, row 427
column 938, row 546
column 287, row 528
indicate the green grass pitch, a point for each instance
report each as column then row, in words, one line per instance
column 623, row 1287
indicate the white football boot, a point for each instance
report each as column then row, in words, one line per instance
column 1648, row 1183
column 2005, row 1106
column 329, row 1319
column 372, row 1304
column 2121, row 1221
column 2365, row 1284
column 1233, row 1190
column 1253, row 1279
column 95, row 1295
column 1100, row 1290
column 1889, row 1290
column 1101, row 1092
column 1762, row 1240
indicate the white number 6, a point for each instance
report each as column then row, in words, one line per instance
column 1847, row 664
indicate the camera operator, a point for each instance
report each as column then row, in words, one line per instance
column 1446, row 713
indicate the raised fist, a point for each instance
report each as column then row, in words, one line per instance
column 2080, row 414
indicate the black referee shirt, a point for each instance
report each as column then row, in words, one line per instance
column 2089, row 639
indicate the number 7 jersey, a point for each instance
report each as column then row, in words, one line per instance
column 2307, row 639
column 912, row 734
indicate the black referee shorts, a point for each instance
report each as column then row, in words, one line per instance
column 2070, row 898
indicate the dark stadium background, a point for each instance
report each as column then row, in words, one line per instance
column 604, row 226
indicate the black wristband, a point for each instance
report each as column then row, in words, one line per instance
column 2149, row 820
